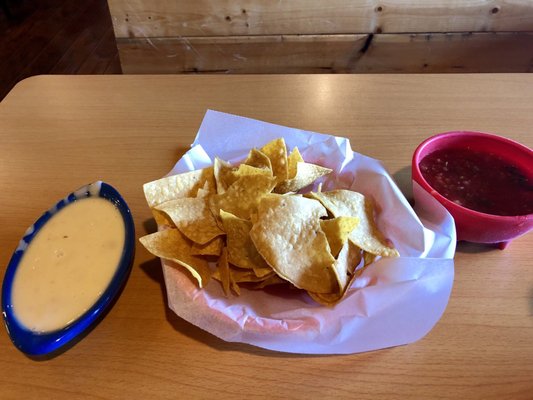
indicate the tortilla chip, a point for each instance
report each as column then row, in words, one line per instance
column 206, row 190
column 337, row 231
column 368, row 258
column 245, row 169
column 246, row 276
column 170, row 244
column 292, row 160
column 288, row 236
column 352, row 204
column 276, row 151
column 162, row 219
column 193, row 218
column 242, row 197
column 177, row 186
column 306, row 174
column 235, row 286
column 271, row 280
column 223, row 172
column 241, row 250
column 264, row 271
column 349, row 258
column 223, row 272
column 344, row 267
column 212, row 248
column 256, row 158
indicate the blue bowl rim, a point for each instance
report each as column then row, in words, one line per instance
column 38, row 344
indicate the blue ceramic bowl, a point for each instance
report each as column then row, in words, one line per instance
column 38, row 344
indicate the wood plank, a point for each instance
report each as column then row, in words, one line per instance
column 42, row 31
column 86, row 42
column 24, row 16
column 478, row 52
column 162, row 18
column 26, row 42
column 59, row 43
column 452, row 52
column 114, row 66
column 101, row 57
column 240, row 54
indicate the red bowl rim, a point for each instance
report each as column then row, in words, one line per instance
column 415, row 165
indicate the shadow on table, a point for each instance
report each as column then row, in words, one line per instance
column 402, row 177
column 150, row 226
column 475, row 248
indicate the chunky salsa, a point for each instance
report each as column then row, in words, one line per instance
column 479, row 181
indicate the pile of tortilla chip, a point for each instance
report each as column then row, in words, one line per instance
column 246, row 225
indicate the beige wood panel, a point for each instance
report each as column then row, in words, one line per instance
column 59, row 132
column 241, row 54
column 161, row 18
column 478, row 52
column 452, row 52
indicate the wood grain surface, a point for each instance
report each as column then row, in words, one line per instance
column 55, row 37
column 354, row 53
column 160, row 18
column 311, row 36
column 60, row 132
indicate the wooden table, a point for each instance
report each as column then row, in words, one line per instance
column 59, row 132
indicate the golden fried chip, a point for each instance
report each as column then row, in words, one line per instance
column 223, row 272
column 228, row 176
column 246, row 275
column 242, row 197
column 292, row 162
column 287, row 234
column 235, row 287
column 177, row 186
column 162, row 219
column 264, row 271
column 306, row 174
column 348, row 259
column 223, row 172
column 276, row 151
column 241, row 250
column 212, row 248
column 256, row 158
column 206, row 190
column 271, row 280
column 337, row 231
column 369, row 258
column 352, row 204
column 250, row 170
column 193, row 218
column 171, row 245
column 344, row 267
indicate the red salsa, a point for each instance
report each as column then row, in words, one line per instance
column 479, row 181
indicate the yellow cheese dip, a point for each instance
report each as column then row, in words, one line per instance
column 68, row 264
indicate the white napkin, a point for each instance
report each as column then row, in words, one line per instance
column 395, row 301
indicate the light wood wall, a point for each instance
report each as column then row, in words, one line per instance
column 338, row 36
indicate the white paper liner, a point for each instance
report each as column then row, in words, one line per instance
column 395, row 301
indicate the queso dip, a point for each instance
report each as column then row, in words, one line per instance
column 68, row 264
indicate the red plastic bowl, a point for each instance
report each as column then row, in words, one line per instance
column 474, row 226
